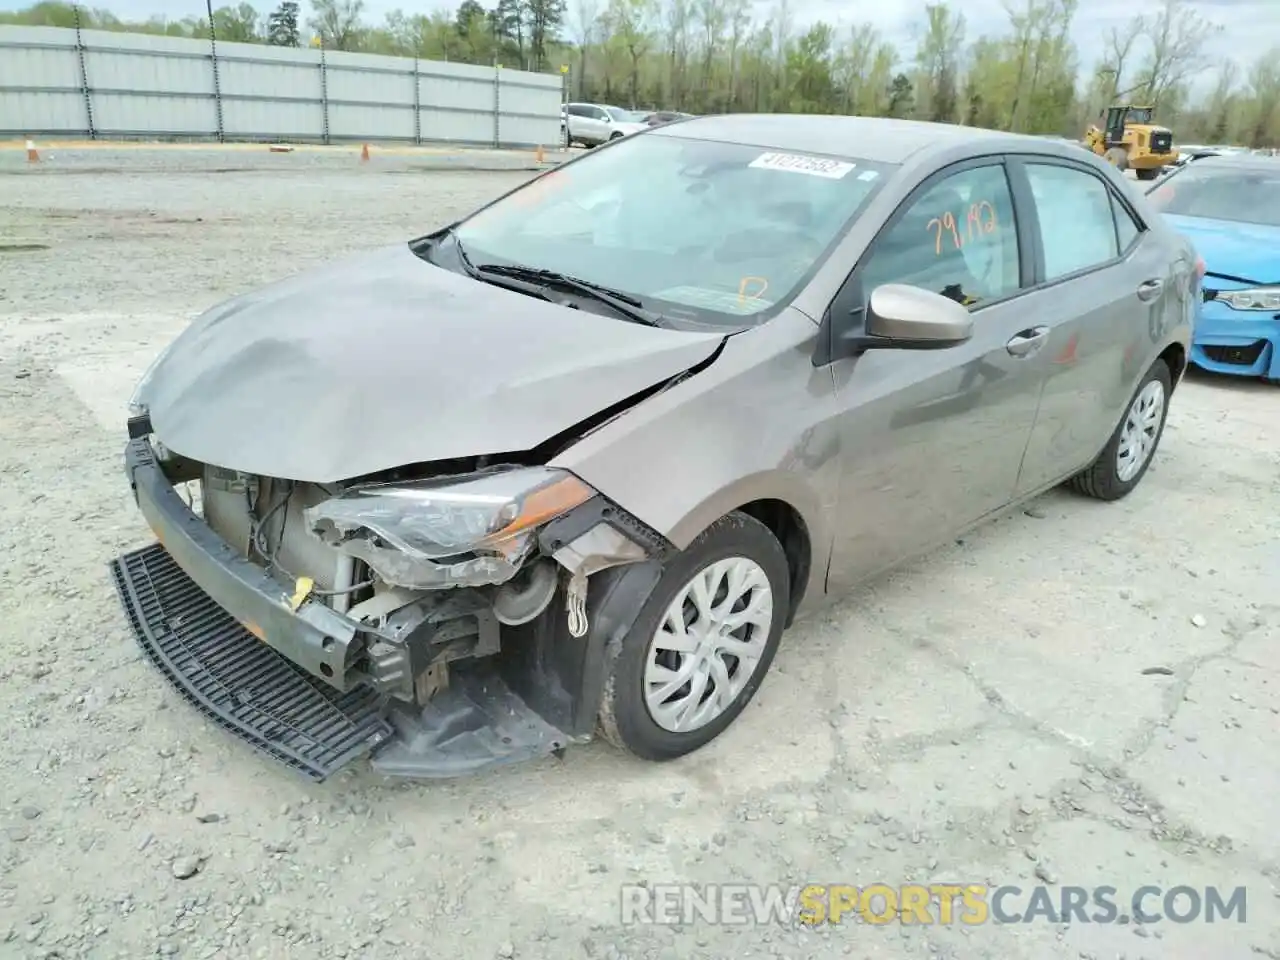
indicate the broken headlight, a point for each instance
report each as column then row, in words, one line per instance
column 468, row 530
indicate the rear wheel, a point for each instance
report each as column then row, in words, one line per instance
column 1124, row 460
column 702, row 644
column 1148, row 174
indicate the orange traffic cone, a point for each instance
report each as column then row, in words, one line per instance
column 364, row 153
column 538, row 157
column 33, row 155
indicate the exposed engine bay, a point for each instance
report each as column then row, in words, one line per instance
column 429, row 571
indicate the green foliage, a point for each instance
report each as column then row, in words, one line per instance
column 714, row 56
column 282, row 25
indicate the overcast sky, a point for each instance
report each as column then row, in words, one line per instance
column 1249, row 27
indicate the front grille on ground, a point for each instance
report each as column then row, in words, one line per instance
column 1237, row 356
column 238, row 681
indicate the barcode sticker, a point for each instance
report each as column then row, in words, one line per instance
column 797, row 163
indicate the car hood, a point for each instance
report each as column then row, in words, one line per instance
column 629, row 127
column 384, row 360
column 1249, row 251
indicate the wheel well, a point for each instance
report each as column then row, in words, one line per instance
column 786, row 524
column 1175, row 358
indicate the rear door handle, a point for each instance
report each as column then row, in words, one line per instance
column 1027, row 342
column 1150, row 290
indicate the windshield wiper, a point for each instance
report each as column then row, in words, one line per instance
column 535, row 281
column 510, row 283
column 621, row 303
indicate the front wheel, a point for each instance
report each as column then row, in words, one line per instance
column 1124, row 460
column 702, row 643
column 1148, row 174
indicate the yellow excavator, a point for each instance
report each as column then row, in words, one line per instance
column 1128, row 139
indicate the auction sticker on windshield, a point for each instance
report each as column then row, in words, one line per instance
column 797, row 163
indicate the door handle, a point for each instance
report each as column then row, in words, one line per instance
column 1027, row 342
column 1150, row 290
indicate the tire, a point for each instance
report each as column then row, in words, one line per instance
column 734, row 541
column 1104, row 479
column 1148, row 174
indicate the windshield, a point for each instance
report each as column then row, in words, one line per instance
column 696, row 229
column 622, row 116
column 1247, row 195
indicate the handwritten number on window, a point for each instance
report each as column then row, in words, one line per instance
column 980, row 219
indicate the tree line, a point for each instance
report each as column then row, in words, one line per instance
column 716, row 56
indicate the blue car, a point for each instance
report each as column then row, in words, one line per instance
column 1229, row 208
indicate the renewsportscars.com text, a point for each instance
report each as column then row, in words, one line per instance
column 926, row 904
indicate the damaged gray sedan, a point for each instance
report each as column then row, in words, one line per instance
column 573, row 463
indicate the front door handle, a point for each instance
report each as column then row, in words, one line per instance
column 1027, row 342
column 1150, row 290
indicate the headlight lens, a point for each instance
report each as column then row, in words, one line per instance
column 435, row 524
column 1257, row 298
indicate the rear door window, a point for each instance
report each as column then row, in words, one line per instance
column 1077, row 222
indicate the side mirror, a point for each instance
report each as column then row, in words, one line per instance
column 897, row 317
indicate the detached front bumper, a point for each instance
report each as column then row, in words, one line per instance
column 228, row 638
column 238, row 682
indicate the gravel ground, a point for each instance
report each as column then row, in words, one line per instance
column 989, row 714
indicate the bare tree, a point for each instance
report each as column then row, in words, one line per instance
column 586, row 20
column 338, row 22
column 712, row 17
column 938, row 60
column 678, row 15
column 1177, row 35
column 632, row 25
column 781, row 26
column 1120, row 46
column 739, row 23
column 1264, row 83
column 853, row 65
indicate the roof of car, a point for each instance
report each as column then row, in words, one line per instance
column 878, row 139
column 1251, row 161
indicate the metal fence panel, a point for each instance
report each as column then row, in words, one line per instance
column 62, row 82
column 41, row 114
